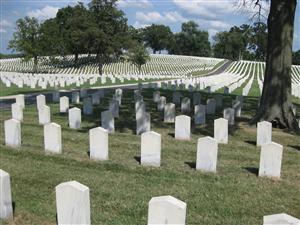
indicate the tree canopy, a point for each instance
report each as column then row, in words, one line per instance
column 191, row 41
column 157, row 37
column 27, row 39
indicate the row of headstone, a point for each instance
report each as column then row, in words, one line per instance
column 207, row 148
column 73, row 206
column 162, row 105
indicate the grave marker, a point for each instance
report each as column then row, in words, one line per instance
column 207, row 154
column 108, row 121
column 72, row 203
column 264, row 133
column 75, row 118
column 52, row 138
column 150, row 149
column 12, row 130
column 98, row 143
column 169, row 113
column 166, row 210
column 6, row 209
column 182, row 127
column 270, row 160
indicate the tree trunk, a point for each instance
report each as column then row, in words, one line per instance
column 100, row 65
column 276, row 100
column 76, row 59
column 35, row 64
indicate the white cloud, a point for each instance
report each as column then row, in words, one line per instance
column 163, row 18
column 44, row 13
column 4, row 24
column 134, row 4
column 206, row 8
column 212, row 9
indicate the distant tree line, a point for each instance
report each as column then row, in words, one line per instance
column 101, row 29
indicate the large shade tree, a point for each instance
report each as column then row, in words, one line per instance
column 157, row 37
column 73, row 23
column 27, row 40
column 107, row 32
column 191, row 41
column 276, row 100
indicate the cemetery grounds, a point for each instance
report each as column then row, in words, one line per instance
column 121, row 188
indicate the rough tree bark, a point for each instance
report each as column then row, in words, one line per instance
column 35, row 64
column 276, row 100
column 76, row 59
column 100, row 64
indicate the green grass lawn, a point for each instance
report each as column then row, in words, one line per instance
column 121, row 188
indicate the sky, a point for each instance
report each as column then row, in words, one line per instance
column 211, row 15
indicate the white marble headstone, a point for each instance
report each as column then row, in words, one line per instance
column 40, row 101
column 169, row 113
column 207, row 154
column 221, row 130
column 150, row 149
column 182, row 127
column 98, row 143
column 264, row 133
column 6, row 209
column 20, row 99
column 75, row 118
column 52, row 138
column 270, row 160
column 185, row 105
column 72, row 203
column 166, row 210
column 200, row 114
column 143, row 123
column 108, row 121
column 228, row 114
column 63, row 104
column 12, row 130
column 17, row 111
column 44, row 115
column 161, row 103
column 281, row 219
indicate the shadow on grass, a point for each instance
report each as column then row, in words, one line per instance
column 138, row 159
column 296, row 147
column 251, row 142
column 252, row 170
column 192, row 165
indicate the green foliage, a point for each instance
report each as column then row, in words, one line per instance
column 191, row 41
column 107, row 32
column 139, row 56
column 258, row 40
column 157, row 37
column 27, row 40
column 247, row 42
column 296, row 58
column 72, row 25
column 51, row 39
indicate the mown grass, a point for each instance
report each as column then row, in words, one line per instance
column 121, row 188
